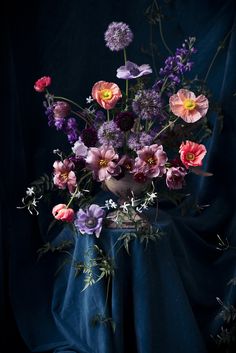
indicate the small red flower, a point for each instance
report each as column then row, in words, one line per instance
column 42, row 83
column 62, row 213
column 192, row 153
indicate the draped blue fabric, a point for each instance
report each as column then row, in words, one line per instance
column 163, row 297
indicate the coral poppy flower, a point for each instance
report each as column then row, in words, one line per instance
column 187, row 106
column 106, row 94
column 192, row 154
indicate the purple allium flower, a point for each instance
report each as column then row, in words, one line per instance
column 89, row 137
column 131, row 70
column 147, row 104
column 71, row 130
column 118, row 36
column 79, row 149
column 133, row 142
column 90, row 220
column 146, row 139
column 175, row 177
column 61, row 109
column 110, row 135
column 125, row 121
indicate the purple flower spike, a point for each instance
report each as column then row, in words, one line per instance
column 131, row 70
column 90, row 221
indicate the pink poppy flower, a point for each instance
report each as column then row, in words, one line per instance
column 187, row 106
column 151, row 161
column 64, row 176
column 192, row 153
column 41, row 84
column 62, row 213
column 106, row 94
column 102, row 162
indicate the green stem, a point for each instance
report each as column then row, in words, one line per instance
column 82, row 117
column 107, row 294
column 160, row 29
column 220, row 47
column 69, row 101
column 126, row 81
column 108, row 115
column 166, row 127
column 72, row 197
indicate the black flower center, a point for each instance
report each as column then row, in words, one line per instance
column 91, row 222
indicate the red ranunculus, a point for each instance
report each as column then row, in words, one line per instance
column 42, row 83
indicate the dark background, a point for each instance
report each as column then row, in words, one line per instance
column 64, row 39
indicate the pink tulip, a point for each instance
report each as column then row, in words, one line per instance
column 187, row 106
column 64, row 176
column 60, row 212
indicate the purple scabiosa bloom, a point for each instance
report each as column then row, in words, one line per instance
column 147, row 104
column 125, row 121
column 71, row 130
column 90, row 220
column 175, row 177
column 110, row 135
column 118, row 36
column 89, row 137
column 131, row 70
column 61, row 109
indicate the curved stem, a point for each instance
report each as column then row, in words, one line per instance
column 126, row 81
column 81, row 117
column 72, row 197
column 221, row 46
column 160, row 29
column 166, row 127
column 69, row 101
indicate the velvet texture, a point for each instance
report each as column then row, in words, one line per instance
column 163, row 299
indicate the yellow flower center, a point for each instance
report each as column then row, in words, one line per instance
column 150, row 161
column 190, row 156
column 103, row 163
column 64, row 176
column 189, row 104
column 106, row 94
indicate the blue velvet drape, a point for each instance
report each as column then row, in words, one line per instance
column 163, row 299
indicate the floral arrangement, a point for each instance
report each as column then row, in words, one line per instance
column 125, row 136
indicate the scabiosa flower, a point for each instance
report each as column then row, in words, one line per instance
column 131, row 70
column 106, row 94
column 64, row 175
column 125, row 121
column 62, row 213
column 41, row 84
column 192, row 153
column 90, row 220
column 102, row 162
column 89, row 137
column 175, row 177
column 187, row 106
column 110, row 135
column 147, row 104
column 151, row 161
column 61, row 109
column 118, row 36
